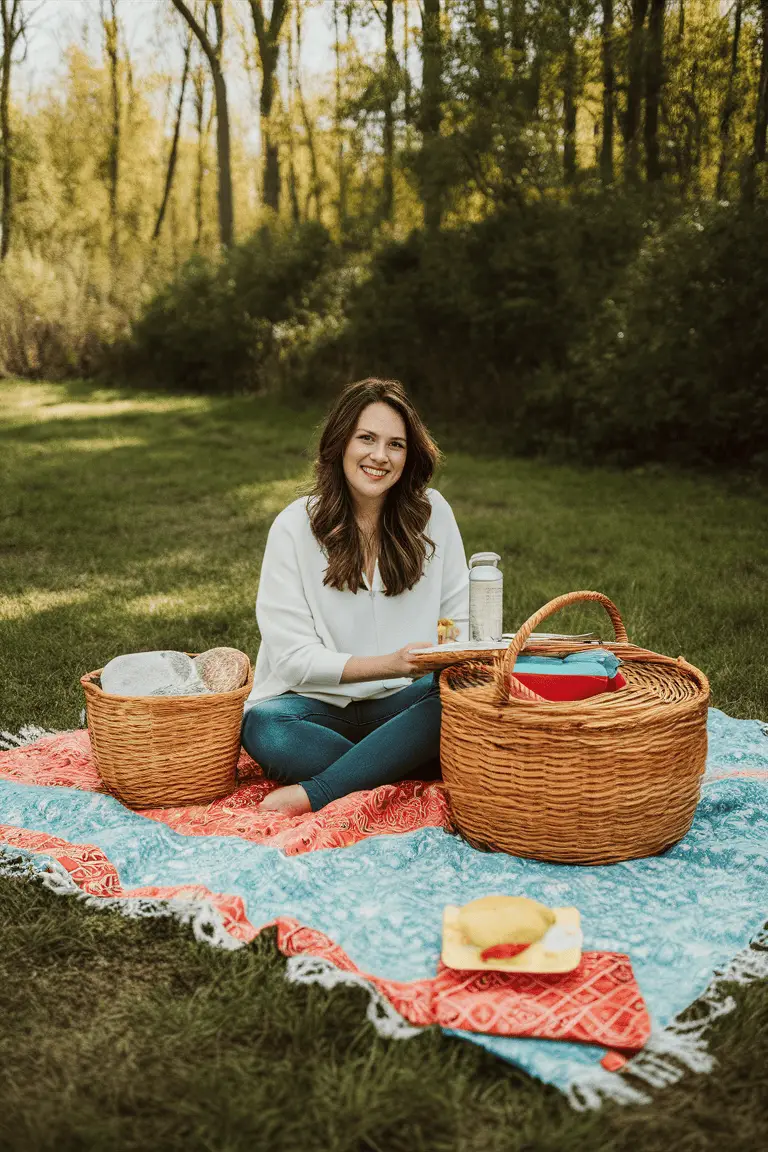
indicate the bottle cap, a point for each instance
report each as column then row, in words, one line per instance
column 484, row 558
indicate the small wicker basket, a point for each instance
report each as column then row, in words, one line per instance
column 592, row 781
column 154, row 751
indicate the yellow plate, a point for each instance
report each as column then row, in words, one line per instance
column 559, row 950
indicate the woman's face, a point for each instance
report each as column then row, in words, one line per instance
column 375, row 455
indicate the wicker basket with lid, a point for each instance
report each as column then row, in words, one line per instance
column 592, row 781
column 153, row 751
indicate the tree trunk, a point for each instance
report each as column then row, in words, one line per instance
column 293, row 187
column 432, row 185
column 213, row 54
column 109, row 25
column 316, row 184
column 226, row 206
column 609, row 80
column 268, row 40
column 761, row 111
column 203, row 132
column 654, row 79
column 729, row 105
column 341, row 166
column 569, row 105
column 518, row 26
column 173, row 155
column 390, row 67
column 635, row 58
column 501, row 25
column 6, row 216
column 407, row 107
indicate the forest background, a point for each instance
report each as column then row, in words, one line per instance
column 548, row 218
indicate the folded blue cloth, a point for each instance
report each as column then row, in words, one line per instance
column 593, row 662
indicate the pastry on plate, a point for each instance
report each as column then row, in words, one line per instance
column 447, row 630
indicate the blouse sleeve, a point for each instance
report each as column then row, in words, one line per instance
column 454, row 593
column 296, row 652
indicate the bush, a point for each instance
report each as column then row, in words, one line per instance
column 608, row 327
column 211, row 329
column 676, row 365
column 57, row 316
column 475, row 319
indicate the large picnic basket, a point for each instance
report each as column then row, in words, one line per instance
column 156, row 751
column 594, row 781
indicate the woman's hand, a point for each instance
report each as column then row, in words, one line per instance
column 402, row 665
column 392, row 667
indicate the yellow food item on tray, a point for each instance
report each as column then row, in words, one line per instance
column 447, row 630
column 494, row 920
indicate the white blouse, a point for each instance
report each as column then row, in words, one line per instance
column 309, row 630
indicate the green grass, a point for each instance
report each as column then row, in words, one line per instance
column 132, row 521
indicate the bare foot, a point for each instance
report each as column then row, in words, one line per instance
column 289, row 801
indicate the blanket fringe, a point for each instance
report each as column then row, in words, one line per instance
column 679, row 1048
column 204, row 919
column 26, row 735
column 314, row 970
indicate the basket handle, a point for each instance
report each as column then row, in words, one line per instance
column 504, row 667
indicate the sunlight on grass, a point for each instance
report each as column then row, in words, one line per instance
column 22, row 400
column 177, row 605
column 268, row 499
column 35, row 601
column 92, row 444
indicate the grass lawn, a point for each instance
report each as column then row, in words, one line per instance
column 133, row 521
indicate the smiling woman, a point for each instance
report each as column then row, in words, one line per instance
column 370, row 560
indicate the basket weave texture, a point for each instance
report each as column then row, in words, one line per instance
column 153, row 751
column 593, row 781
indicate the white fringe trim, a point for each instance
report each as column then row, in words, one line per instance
column 205, row 919
column 669, row 1054
column 26, row 735
column 207, row 927
column 681, row 1047
column 386, row 1020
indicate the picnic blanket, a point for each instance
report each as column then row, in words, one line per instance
column 676, row 926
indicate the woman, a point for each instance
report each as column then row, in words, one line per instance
column 351, row 577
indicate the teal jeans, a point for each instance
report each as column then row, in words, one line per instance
column 332, row 751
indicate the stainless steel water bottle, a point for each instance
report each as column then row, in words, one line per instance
column 486, row 584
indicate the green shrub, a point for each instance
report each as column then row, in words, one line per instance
column 473, row 318
column 676, row 364
column 211, row 328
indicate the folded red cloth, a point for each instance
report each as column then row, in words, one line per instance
column 569, row 687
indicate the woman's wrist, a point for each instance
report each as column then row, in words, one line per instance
column 361, row 668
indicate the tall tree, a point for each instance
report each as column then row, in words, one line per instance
column 654, row 79
column 609, row 83
column 268, row 39
column 760, row 135
column 316, row 184
column 173, row 154
column 635, row 79
column 729, row 104
column 15, row 23
column 390, row 95
column 293, row 185
column 570, row 81
column 213, row 51
column 432, row 184
column 203, row 121
column 111, row 47
column 338, row 128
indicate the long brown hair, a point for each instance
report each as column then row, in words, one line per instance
column 406, row 509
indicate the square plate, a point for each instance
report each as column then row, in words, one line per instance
column 559, row 950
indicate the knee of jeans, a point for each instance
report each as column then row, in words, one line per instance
column 267, row 738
